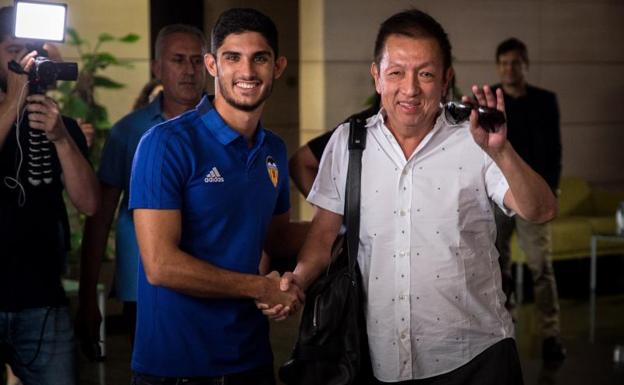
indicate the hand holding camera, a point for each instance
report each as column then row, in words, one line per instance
column 44, row 115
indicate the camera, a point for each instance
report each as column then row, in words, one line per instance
column 38, row 23
column 44, row 73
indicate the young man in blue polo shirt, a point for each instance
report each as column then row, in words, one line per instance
column 209, row 191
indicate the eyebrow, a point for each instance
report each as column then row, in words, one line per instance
column 258, row 53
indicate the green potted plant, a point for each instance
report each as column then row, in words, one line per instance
column 77, row 100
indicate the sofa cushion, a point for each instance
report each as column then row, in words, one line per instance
column 602, row 225
column 574, row 197
column 570, row 235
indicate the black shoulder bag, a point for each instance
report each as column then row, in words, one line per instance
column 332, row 346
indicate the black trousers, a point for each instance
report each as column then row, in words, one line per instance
column 259, row 376
column 497, row 365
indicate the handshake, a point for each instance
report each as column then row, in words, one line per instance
column 281, row 296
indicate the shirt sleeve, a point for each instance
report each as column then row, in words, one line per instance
column 159, row 171
column 112, row 163
column 328, row 190
column 496, row 185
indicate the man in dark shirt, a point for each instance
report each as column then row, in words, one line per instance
column 304, row 163
column 533, row 130
column 38, row 159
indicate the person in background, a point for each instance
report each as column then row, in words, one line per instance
column 178, row 66
column 533, row 131
column 42, row 154
column 304, row 163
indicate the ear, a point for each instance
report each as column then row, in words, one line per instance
column 448, row 76
column 280, row 66
column 211, row 64
column 374, row 70
column 156, row 68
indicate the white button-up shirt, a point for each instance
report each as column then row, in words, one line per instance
column 429, row 265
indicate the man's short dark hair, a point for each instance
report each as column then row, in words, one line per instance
column 413, row 23
column 239, row 20
column 178, row 28
column 513, row 44
column 7, row 19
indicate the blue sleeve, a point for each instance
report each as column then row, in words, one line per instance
column 113, row 169
column 159, row 171
column 283, row 199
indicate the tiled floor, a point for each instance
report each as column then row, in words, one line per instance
column 587, row 363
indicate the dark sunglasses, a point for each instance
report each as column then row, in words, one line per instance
column 458, row 112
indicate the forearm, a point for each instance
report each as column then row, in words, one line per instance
column 315, row 254
column 78, row 176
column 180, row 271
column 8, row 114
column 94, row 242
column 532, row 198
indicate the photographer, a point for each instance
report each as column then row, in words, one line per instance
column 38, row 159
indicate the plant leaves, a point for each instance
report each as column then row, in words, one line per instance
column 104, row 59
column 104, row 37
column 75, row 107
column 102, row 81
column 129, row 38
column 74, row 37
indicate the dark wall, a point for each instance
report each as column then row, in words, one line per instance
column 163, row 12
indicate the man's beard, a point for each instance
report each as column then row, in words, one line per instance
column 244, row 106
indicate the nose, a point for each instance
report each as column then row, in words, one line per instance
column 246, row 68
column 410, row 85
column 189, row 67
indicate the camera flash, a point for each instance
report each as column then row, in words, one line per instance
column 40, row 21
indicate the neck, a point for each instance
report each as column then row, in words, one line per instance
column 171, row 108
column 515, row 90
column 243, row 122
column 409, row 137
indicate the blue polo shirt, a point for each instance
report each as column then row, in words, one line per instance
column 115, row 168
column 227, row 194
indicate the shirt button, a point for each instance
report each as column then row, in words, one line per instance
column 403, row 213
column 403, row 336
column 402, row 254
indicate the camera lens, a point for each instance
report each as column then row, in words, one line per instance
column 456, row 112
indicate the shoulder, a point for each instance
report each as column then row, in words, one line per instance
column 541, row 93
column 274, row 141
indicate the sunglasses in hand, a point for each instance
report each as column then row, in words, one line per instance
column 458, row 112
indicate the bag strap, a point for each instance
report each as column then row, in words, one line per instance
column 357, row 144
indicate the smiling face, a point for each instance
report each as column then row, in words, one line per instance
column 244, row 68
column 411, row 80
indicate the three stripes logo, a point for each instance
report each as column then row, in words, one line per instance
column 214, row 176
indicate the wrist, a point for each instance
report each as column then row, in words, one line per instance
column 259, row 288
column 501, row 153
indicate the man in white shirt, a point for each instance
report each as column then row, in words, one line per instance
column 429, row 265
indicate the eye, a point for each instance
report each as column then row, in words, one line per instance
column 231, row 57
column 197, row 60
column 261, row 59
column 427, row 76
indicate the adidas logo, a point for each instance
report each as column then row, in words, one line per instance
column 214, row 176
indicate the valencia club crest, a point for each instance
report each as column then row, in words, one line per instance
column 272, row 170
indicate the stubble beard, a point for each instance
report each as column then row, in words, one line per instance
column 247, row 107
